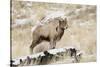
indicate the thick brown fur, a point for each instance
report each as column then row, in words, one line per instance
column 51, row 32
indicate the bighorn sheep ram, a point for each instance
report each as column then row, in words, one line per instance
column 51, row 32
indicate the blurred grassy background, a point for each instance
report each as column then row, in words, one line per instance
column 80, row 34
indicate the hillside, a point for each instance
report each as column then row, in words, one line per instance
column 81, row 33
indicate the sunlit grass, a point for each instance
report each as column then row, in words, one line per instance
column 80, row 34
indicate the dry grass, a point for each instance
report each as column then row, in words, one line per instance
column 80, row 34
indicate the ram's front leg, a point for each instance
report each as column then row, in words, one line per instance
column 52, row 44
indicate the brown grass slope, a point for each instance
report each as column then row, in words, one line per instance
column 81, row 33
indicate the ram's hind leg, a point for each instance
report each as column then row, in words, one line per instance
column 34, row 43
column 31, row 47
